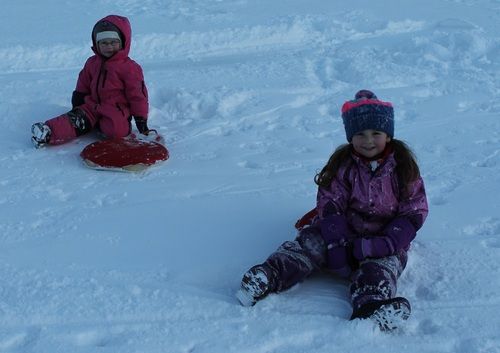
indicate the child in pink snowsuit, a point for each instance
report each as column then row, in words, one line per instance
column 110, row 90
column 370, row 204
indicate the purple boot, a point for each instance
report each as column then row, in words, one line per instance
column 255, row 285
column 388, row 314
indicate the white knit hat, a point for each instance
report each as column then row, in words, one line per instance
column 107, row 35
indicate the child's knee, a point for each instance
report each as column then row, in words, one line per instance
column 311, row 240
column 80, row 121
column 313, row 244
column 114, row 129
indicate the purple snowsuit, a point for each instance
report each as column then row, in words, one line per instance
column 363, row 230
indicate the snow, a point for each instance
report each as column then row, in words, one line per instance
column 247, row 95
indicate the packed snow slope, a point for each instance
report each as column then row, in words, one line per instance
column 247, row 95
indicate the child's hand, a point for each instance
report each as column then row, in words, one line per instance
column 334, row 228
column 142, row 125
column 340, row 258
column 376, row 246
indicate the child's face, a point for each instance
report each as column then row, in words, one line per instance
column 370, row 143
column 108, row 47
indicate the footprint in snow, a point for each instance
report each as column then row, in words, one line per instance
column 248, row 165
column 483, row 344
column 20, row 341
column 425, row 293
column 491, row 243
column 489, row 161
column 488, row 228
column 94, row 338
column 444, row 189
column 428, row 327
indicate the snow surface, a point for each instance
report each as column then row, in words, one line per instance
column 247, row 94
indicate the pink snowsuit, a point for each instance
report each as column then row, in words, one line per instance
column 109, row 92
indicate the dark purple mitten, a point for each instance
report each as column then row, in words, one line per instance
column 334, row 228
column 339, row 259
column 378, row 246
column 372, row 247
column 397, row 235
column 400, row 232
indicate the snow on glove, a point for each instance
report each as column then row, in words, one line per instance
column 334, row 230
column 340, row 258
column 141, row 124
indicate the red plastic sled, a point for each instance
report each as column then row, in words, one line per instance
column 124, row 154
column 307, row 219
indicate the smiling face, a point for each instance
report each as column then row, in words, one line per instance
column 108, row 47
column 370, row 143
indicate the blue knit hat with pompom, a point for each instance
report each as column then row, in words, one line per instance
column 365, row 112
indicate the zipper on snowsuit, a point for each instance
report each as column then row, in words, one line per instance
column 102, row 72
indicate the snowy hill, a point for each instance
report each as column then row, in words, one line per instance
column 247, row 94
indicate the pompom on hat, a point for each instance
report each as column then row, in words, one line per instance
column 366, row 111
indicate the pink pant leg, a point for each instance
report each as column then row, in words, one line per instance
column 112, row 123
column 62, row 130
column 62, row 126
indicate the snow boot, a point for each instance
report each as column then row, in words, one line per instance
column 40, row 134
column 255, row 285
column 388, row 314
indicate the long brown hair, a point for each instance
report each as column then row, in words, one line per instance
column 406, row 164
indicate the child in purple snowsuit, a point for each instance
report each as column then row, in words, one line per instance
column 370, row 203
column 110, row 90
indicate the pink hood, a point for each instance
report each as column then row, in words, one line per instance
column 123, row 25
